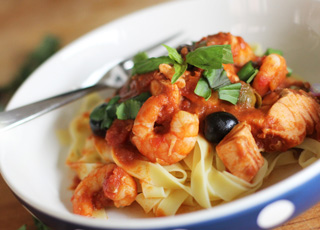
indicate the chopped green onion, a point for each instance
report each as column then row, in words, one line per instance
column 273, row 51
column 202, row 89
column 230, row 93
column 247, row 72
column 252, row 76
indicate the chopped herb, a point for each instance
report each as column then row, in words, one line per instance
column 128, row 109
column 230, row 93
column 210, row 57
column 105, row 113
column 98, row 113
column 202, row 89
column 179, row 70
column 140, row 57
column 273, row 51
column 108, row 112
column 216, row 78
column 142, row 97
column 151, row 64
column 174, row 55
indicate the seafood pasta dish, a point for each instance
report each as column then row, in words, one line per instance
column 207, row 124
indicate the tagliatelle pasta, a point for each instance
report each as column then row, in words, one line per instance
column 153, row 142
column 200, row 181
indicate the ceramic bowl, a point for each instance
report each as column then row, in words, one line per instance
column 32, row 160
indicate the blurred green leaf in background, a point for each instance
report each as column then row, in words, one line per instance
column 48, row 46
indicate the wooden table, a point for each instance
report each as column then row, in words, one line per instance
column 23, row 24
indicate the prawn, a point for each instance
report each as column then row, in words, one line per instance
column 169, row 147
column 114, row 183
column 272, row 73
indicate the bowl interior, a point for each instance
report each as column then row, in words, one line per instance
column 32, row 159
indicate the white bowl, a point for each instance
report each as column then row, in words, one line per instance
column 32, row 160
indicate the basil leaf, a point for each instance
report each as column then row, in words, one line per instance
column 273, row 51
column 142, row 97
column 202, row 89
column 149, row 65
column 128, row 109
column 227, row 57
column 173, row 54
column 210, row 57
column 140, row 57
column 217, row 78
column 98, row 113
column 230, row 93
column 105, row 113
column 114, row 100
column 179, row 70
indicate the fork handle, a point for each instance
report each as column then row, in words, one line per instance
column 15, row 117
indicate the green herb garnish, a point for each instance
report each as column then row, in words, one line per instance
column 216, row 78
column 128, row 109
column 273, row 51
column 140, row 57
column 179, row 70
column 230, row 93
column 151, row 64
column 202, row 89
column 174, row 55
column 209, row 57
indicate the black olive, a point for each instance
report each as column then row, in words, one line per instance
column 96, row 119
column 217, row 125
column 96, row 128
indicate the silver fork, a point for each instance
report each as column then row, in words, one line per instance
column 23, row 114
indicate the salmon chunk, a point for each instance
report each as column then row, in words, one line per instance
column 239, row 152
